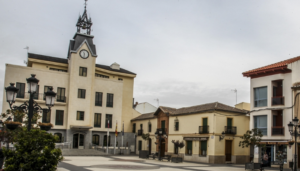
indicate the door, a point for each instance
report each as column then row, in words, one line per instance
column 162, row 148
column 140, row 146
column 163, row 124
column 205, row 130
column 229, row 125
column 228, row 150
column 150, row 143
column 78, row 141
column 298, row 156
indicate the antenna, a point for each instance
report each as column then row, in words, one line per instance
column 235, row 91
column 157, row 102
column 85, row 3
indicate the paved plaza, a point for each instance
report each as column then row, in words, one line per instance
column 109, row 163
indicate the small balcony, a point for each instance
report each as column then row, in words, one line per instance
column 279, row 100
column 140, row 132
column 61, row 99
column 162, row 130
column 230, row 130
column 278, row 130
column 204, row 129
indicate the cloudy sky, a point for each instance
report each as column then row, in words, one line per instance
column 185, row 52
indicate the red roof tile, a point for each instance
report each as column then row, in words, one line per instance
column 278, row 65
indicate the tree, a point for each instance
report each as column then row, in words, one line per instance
column 178, row 144
column 145, row 137
column 35, row 150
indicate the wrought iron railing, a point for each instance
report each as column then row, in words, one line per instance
column 204, row 129
column 162, row 130
column 277, row 130
column 279, row 100
column 230, row 129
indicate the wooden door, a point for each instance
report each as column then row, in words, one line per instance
column 150, row 142
column 75, row 141
column 162, row 148
column 228, row 150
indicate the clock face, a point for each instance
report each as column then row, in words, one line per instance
column 84, row 54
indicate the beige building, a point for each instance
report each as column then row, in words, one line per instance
column 88, row 94
column 200, row 127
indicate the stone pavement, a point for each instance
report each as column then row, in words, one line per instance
column 116, row 163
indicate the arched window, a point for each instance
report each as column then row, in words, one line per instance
column 176, row 124
column 149, row 126
column 59, row 137
column 95, row 140
column 105, row 140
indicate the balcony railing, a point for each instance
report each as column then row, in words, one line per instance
column 279, row 100
column 61, row 99
column 204, row 129
column 162, row 131
column 279, row 130
column 230, row 129
column 140, row 132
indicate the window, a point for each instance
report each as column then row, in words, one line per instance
column 120, row 79
column 46, row 116
column 95, row 139
column 98, row 99
column 36, row 94
column 133, row 127
column 102, row 76
column 46, row 88
column 59, row 119
column 149, row 126
column 21, row 92
column 260, row 122
column 82, row 71
column 97, row 120
column 81, row 93
column 203, row 148
column 260, row 96
column 105, row 140
column 189, row 147
column 80, row 115
column 140, row 146
column 176, row 124
column 59, row 137
column 110, row 100
column 205, row 127
column 60, row 70
column 60, row 96
column 141, row 126
column 108, row 117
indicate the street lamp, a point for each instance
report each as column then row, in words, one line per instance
column 222, row 136
column 160, row 134
column 294, row 129
column 31, row 105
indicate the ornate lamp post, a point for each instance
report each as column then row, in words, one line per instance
column 294, row 130
column 160, row 134
column 31, row 105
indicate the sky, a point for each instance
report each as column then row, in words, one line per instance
column 184, row 52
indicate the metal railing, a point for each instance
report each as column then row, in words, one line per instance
column 41, row 96
column 61, row 99
column 140, row 132
column 162, row 130
column 230, row 130
column 277, row 130
column 204, row 129
column 64, row 145
column 279, row 100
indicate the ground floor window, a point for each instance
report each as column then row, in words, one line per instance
column 281, row 151
column 140, row 146
column 273, row 153
column 105, row 140
column 189, row 147
column 95, row 140
column 203, row 148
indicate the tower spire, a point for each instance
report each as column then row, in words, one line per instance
column 84, row 23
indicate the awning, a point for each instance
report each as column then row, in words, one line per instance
column 274, row 143
column 195, row 138
column 80, row 127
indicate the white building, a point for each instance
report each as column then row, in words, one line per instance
column 272, row 94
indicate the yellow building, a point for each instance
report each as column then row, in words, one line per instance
column 200, row 127
column 88, row 94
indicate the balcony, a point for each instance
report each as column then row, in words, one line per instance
column 279, row 100
column 162, row 131
column 230, row 130
column 204, row 129
column 278, row 130
column 140, row 132
column 61, row 99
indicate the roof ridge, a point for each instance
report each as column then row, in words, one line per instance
column 197, row 105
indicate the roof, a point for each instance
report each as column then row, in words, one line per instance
column 201, row 108
column 65, row 61
column 144, row 116
column 272, row 67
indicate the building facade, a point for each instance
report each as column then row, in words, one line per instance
column 200, row 128
column 89, row 95
column 273, row 89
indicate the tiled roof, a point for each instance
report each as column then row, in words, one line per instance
column 65, row 61
column 278, row 65
column 201, row 108
column 144, row 116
